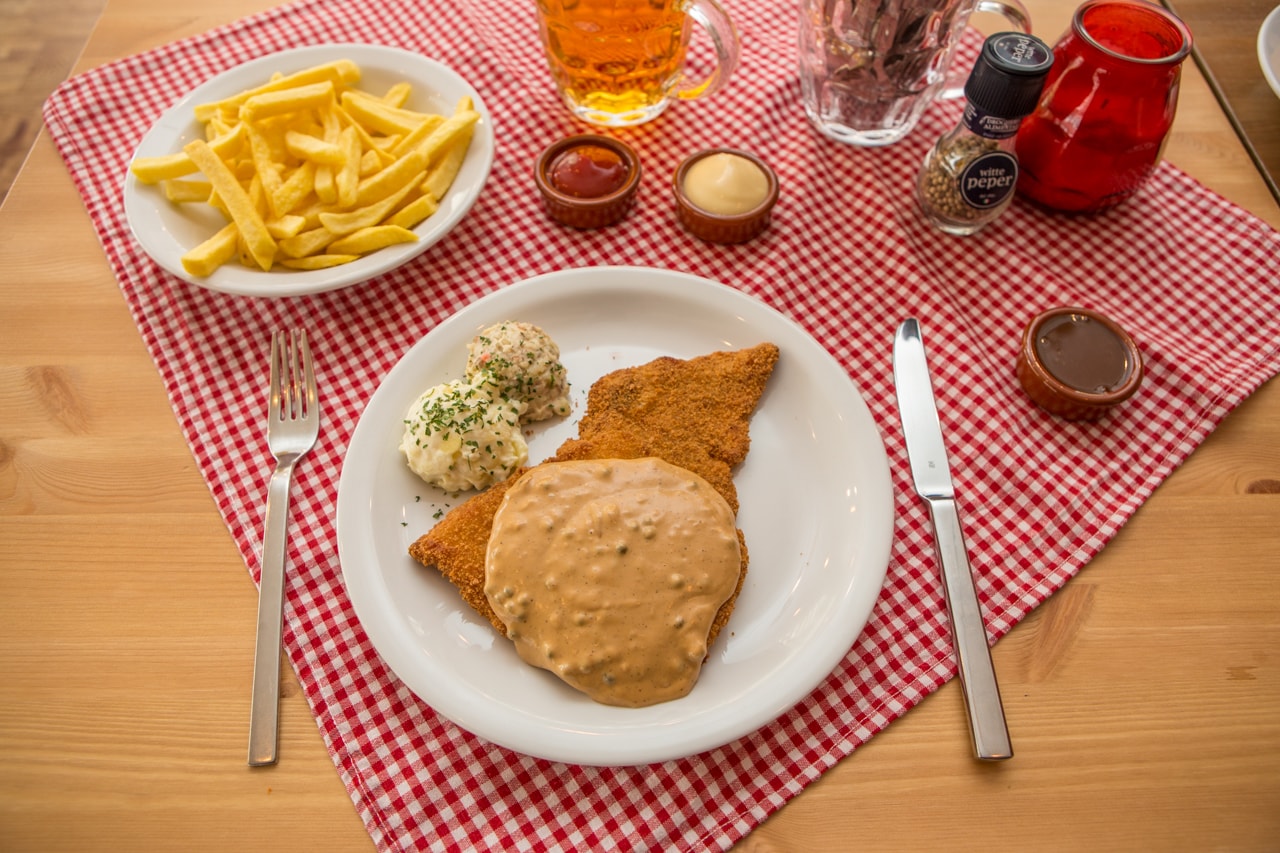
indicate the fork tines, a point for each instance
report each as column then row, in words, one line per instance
column 293, row 378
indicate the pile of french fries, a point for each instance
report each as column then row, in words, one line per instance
column 311, row 172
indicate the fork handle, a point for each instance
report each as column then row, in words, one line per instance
column 264, row 718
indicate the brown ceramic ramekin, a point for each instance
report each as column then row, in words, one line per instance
column 718, row 228
column 1078, row 364
column 587, row 212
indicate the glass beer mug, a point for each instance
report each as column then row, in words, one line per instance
column 870, row 68
column 620, row 62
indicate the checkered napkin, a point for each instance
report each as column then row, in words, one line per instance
column 1194, row 279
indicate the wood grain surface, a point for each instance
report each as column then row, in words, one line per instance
column 40, row 41
column 1143, row 699
column 1224, row 36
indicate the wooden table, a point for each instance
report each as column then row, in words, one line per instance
column 1144, row 698
column 1224, row 34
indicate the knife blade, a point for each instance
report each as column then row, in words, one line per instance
column 931, row 474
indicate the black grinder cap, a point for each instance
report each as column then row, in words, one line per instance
column 1007, row 78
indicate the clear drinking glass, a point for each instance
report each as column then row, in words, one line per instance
column 869, row 68
column 618, row 63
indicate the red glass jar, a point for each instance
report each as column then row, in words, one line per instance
column 1108, row 102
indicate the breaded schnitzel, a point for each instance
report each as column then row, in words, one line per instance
column 692, row 413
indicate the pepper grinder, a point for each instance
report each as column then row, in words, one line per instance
column 968, row 178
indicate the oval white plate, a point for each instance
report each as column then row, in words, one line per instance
column 816, row 509
column 167, row 231
column 1269, row 49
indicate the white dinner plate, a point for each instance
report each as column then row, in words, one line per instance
column 1269, row 49
column 167, row 231
column 816, row 510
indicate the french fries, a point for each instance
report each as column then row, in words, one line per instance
column 311, row 172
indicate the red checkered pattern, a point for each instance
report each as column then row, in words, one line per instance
column 848, row 256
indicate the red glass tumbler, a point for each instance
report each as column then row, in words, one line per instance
column 1108, row 102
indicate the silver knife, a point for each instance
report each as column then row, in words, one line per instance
column 932, row 476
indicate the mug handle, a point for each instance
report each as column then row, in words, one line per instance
column 1011, row 10
column 724, row 38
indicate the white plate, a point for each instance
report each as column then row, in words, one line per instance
column 1269, row 49
column 816, row 509
column 167, row 231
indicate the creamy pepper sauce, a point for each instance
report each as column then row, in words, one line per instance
column 609, row 573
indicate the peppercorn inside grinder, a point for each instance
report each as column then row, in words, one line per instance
column 969, row 176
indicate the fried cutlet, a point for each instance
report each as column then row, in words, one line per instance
column 692, row 413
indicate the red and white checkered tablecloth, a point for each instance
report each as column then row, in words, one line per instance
column 1195, row 279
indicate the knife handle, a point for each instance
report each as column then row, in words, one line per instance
column 969, row 635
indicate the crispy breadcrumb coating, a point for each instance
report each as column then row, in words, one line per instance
column 692, row 413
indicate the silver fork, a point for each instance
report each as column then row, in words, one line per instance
column 293, row 422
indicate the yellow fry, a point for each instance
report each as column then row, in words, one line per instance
column 244, row 213
column 408, row 169
column 379, row 115
column 317, row 262
column 216, row 203
column 370, row 162
column 307, row 147
column 325, row 188
column 267, row 104
column 342, row 72
column 419, row 136
column 216, row 127
column 398, row 94
column 366, row 139
column 311, row 212
column 270, row 134
column 293, row 191
column 244, row 169
column 331, row 125
column 265, row 162
column 286, row 226
column 165, row 167
column 304, row 123
column 371, row 239
column 362, row 217
column 257, row 195
column 306, row 243
column 464, row 105
column 440, row 177
column 212, row 253
column 448, row 133
column 347, row 179
column 414, row 212
column 152, row 170
column 178, row 190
